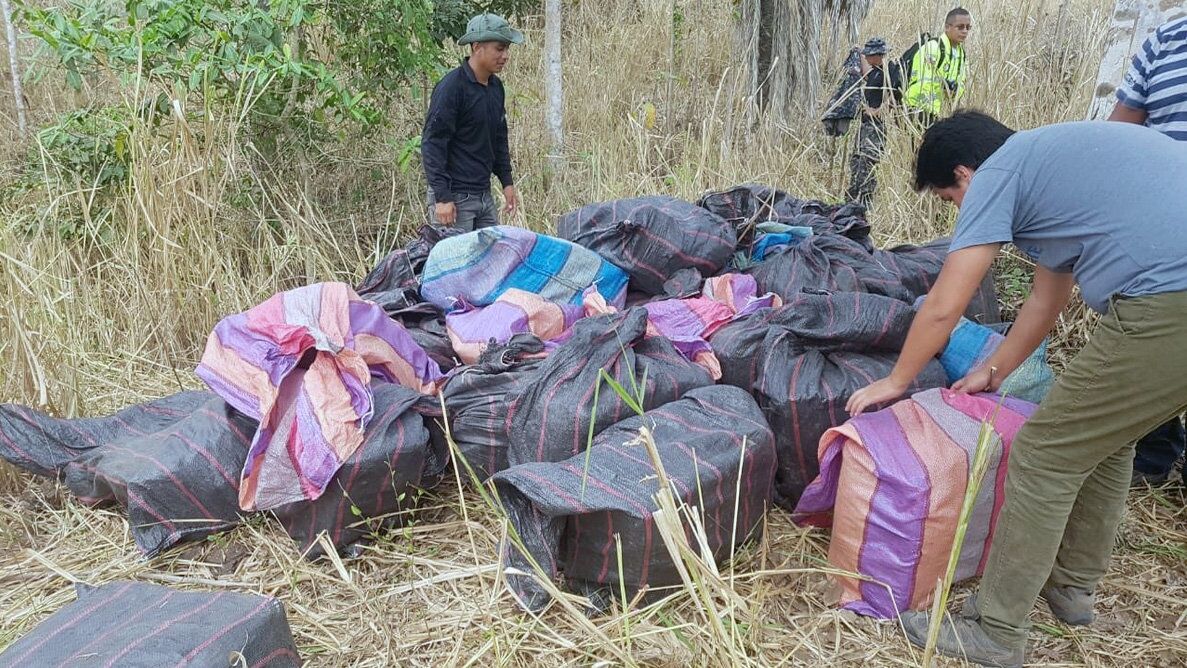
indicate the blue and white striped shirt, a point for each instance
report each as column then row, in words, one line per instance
column 1157, row 80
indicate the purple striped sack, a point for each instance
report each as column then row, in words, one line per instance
column 803, row 361
column 172, row 465
column 301, row 363
column 474, row 328
column 652, row 238
column 571, row 515
column 136, row 625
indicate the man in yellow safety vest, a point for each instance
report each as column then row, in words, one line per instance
column 937, row 70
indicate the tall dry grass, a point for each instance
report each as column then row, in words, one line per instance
column 206, row 228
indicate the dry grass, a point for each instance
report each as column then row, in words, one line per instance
column 119, row 316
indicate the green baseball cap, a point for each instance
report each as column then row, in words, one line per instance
column 490, row 28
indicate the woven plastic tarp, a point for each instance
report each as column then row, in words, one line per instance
column 476, row 267
column 652, row 238
column 474, row 328
column 550, row 417
column 301, row 364
column 575, row 515
column 136, row 625
column 893, row 483
column 688, row 323
column 394, row 286
column 745, row 206
column 172, row 465
column 478, row 402
column 971, row 345
column 803, row 361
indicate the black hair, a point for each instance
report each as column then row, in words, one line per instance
column 958, row 11
column 967, row 138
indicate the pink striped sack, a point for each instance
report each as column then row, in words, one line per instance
column 472, row 328
column 301, row 363
column 892, row 484
column 688, row 323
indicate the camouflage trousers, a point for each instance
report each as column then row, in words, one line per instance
column 871, row 144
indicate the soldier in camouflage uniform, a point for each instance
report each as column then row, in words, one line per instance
column 878, row 78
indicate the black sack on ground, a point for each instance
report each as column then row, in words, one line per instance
column 746, row 205
column 136, row 625
column 478, row 402
column 568, row 514
column 43, row 445
column 652, row 238
column 812, row 354
column 806, row 265
column 379, row 484
column 174, row 465
column 918, row 267
column 550, row 417
column 839, row 264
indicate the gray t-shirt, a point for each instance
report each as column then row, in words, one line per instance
column 1105, row 201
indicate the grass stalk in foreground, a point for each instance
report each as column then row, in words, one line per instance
column 985, row 443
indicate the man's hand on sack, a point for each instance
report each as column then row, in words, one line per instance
column 879, row 392
column 512, row 196
column 978, row 380
column 446, row 213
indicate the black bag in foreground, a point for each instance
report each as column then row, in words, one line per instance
column 135, row 625
column 574, row 516
column 478, row 402
column 174, row 464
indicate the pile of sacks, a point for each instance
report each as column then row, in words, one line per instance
column 734, row 329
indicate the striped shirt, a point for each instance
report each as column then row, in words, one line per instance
column 1157, row 80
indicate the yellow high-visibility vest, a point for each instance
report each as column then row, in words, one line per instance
column 936, row 80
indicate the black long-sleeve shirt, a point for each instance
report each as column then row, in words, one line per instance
column 875, row 85
column 465, row 135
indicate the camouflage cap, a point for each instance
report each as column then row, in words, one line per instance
column 875, row 46
column 490, row 28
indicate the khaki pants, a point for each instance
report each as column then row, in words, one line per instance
column 1070, row 467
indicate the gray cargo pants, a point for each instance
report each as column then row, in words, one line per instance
column 474, row 210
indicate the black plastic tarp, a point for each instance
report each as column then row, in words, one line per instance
column 550, row 417
column 575, row 516
column 136, row 625
column 174, row 465
column 652, row 238
column 804, row 360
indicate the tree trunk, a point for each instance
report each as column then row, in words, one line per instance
column 15, row 66
column 780, row 44
column 552, row 81
column 1132, row 22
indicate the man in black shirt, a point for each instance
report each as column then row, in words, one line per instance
column 465, row 133
column 879, row 79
